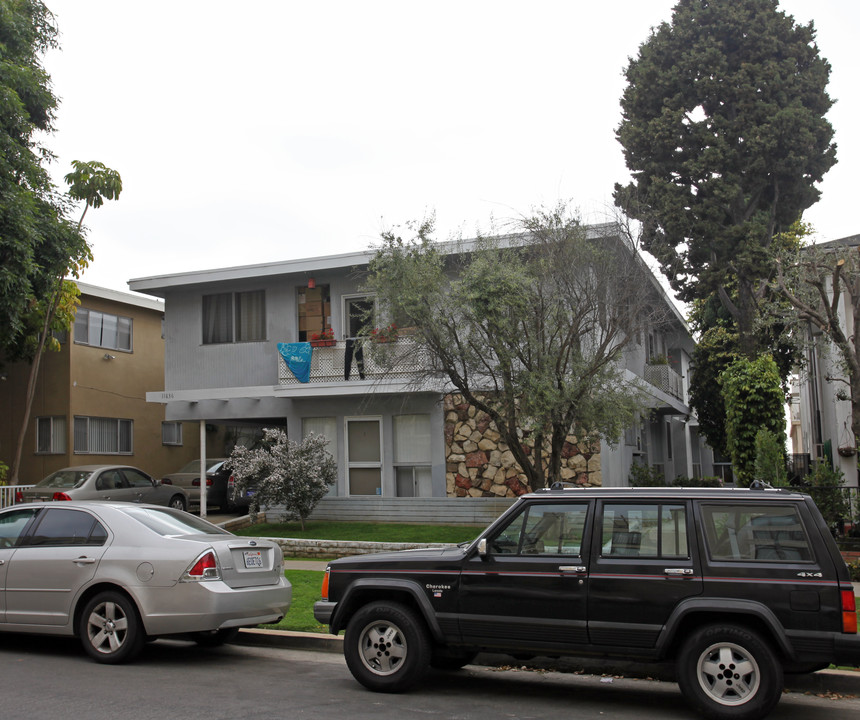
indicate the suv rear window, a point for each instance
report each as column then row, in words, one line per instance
column 755, row 532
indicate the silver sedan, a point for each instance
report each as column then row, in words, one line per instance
column 117, row 574
column 119, row 483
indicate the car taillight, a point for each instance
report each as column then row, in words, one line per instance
column 19, row 496
column 324, row 591
column 196, row 482
column 61, row 496
column 166, row 481
column 204, row 567
column 849, row 612
column 231, row 482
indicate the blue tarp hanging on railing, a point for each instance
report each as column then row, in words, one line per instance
column 297, row 356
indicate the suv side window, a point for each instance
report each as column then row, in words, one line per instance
column 543, row 529
column 755, row 532
column 653, row 530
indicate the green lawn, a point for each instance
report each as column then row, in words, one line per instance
column 307, row 583
column 306, row 591
column 366, row 532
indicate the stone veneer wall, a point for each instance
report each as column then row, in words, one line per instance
column 480, row 464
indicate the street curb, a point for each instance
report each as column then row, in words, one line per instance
column 823, row 682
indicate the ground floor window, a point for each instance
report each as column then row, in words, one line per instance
column 412, row 455
column 364, row 456
column 171, row 433
column 51, row 435
column 103, row 436
column 327, row 427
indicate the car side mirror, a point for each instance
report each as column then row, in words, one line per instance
column 482, row 547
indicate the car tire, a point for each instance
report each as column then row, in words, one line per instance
column 728, row 672
column 386, row 647
column 177, row 502
column 214, row 638
column 110, row 628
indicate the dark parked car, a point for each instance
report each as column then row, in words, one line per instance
column 733, row 586
column 119, row 483
column 221, row 488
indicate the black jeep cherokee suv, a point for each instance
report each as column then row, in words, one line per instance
column 734, row 586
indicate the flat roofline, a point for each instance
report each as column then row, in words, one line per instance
column 120, row 297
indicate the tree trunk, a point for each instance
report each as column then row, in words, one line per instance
column 31, row 384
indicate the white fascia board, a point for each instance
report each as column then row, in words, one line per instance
column 120, row 297
column 159, row 284
column 333, row 389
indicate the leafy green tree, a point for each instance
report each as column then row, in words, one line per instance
column 39, row 246
column 716, row 350
column 754, row 400
column 33, row 231
column 285, row 473
column 770, row 460
column 826, row 489
column 723, row 130
column 529, row 327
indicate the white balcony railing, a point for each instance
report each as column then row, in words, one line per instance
column 394, row 360
column 666, row 379
column 7, row 494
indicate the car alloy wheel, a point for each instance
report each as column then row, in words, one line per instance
column 728, row 672
column 110, row 629
column 386, row 646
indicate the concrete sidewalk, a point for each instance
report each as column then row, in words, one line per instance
column 305, row 565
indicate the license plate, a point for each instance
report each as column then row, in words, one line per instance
column 249, row 493
column 253, row 558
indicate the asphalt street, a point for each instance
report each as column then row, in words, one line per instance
column 49, row 678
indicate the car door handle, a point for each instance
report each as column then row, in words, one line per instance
column 683, row 572
column 573, row 568
column 84, row 560
column 2, row 562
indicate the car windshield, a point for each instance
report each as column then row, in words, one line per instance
column 65, row 479
column 168, row 522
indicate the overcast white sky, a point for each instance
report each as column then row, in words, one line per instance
column 273, row 130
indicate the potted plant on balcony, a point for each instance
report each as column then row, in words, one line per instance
column 323, row 339
column 384, row 334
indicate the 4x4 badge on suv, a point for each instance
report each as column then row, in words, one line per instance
column 809, row 574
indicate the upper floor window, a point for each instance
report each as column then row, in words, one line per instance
column 234, row 317
column 102, row 330
column 359, row 315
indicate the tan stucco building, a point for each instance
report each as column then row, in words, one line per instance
column 90, row 405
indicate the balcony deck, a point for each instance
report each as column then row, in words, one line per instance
column 395, row 360
column 666, row 379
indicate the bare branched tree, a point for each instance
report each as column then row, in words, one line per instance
column 530, row 327
column 823, row 284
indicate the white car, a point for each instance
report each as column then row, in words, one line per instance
column 117, row 574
